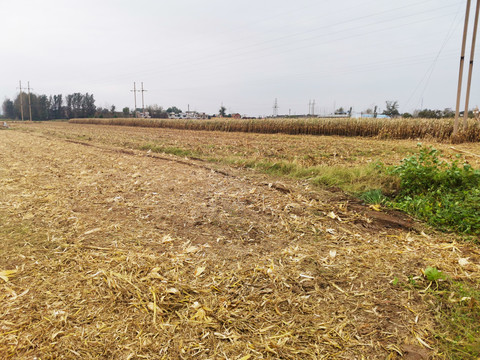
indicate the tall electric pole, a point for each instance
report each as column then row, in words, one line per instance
column 143, row 103
column 275, row 108
column 313, row 107
column 135, row 98
column 29, row 101
column 470, row 69
column 309, row 107
column 462, row 61
column 21, row 98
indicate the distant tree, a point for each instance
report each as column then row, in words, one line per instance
column 368, row 111
column 56, row 107
column 392, row 109
column 74, row 106
column 126, row 111
column 173, row 109
column 88, row 105
column 448, row 113
column 80, row 106
column 8, row 109
column 340, row 111
column 112, row 110
column 42, row 108
column 430, row 114
column 101, row 112
column 17, row 104
column 50, row 107
column 407, row 115
column 157, row 111
column 222, row 111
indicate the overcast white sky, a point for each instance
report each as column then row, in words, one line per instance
column 245, row 54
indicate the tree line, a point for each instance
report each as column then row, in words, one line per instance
column 74, row 105
column 51, row 107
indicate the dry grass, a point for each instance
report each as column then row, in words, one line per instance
column 124, row 254
column 438, row 129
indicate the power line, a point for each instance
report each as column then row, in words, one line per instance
column 430, row 69
column 234, row 53
column 215, row 55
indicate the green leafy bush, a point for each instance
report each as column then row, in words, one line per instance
column 446, row 195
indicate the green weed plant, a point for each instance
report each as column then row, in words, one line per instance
column 445, row 195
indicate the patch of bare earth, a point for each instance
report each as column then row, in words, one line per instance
column 128, row 255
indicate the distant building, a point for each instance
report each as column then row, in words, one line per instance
column 144, row 115
column 188, row 115
column 365, row 115
column 236, row 116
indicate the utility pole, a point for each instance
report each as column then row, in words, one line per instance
column 470, row 69
column 29, row 101
column 135, row 98
column 313, row 107
column 460, row 75
column 143, row 104
column 21, row 99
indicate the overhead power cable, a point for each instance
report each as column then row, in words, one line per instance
column 237, row 52
column 428, row 74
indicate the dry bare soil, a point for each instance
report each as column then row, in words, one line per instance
column 113, row 252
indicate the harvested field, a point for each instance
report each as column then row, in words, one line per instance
column 110, row 251
column 305, row 150
column 398, row 128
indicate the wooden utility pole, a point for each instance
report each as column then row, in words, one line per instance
column 470, row 69
column 460, row 75
column 29, row 101
column 21, row 99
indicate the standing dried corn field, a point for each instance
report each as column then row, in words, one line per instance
column 398, row 128
column 111, row 251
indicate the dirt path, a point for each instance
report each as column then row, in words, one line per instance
column 124, row 255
